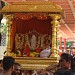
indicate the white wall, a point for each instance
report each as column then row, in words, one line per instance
column 2, row 49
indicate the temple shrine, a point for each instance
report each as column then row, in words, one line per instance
column 32, row 33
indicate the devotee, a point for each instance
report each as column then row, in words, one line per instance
column 27, row 72
column 73, row 68
column 17, row 69
column 39, row 72
column 7, row 64
column 66, row 64
column 52, row 68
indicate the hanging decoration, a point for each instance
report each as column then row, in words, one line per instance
column 27, row 16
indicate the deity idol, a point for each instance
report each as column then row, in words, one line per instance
column 33, row 42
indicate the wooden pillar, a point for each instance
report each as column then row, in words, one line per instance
column 8, row 39
column 55, row 28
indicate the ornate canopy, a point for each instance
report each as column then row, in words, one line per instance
column 49, row 9
column 33, row 7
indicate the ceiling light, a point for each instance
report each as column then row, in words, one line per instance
column 23, row 0
column 46, row 0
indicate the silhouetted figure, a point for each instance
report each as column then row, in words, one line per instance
column 17, row 69
column 66, row 64
column 7, row 64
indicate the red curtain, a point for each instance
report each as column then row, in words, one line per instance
column 41, row 26
column 24, row 26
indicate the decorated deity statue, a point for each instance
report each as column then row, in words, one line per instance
column 33, row 42
column 18, row 41
column 26, row 51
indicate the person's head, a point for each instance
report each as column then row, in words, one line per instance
column 17, row 69
column 8, row 63
column 17, row 66
column 66, row 61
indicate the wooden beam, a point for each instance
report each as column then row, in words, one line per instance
column 72, row 8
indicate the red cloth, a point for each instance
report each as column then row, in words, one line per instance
column 26, row 50
column 38, row 50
